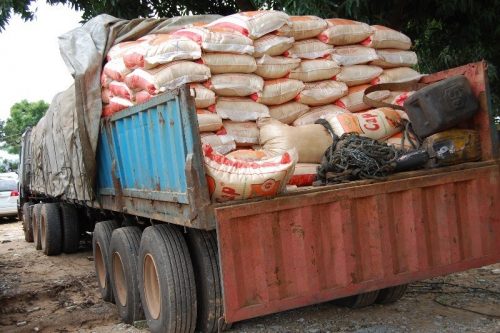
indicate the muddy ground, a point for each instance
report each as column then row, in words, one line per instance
column 59, row 294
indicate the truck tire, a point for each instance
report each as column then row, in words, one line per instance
column 359, row 301
column 36, row 216
column 166, row 280
column 391, row 294
column 70, row 228
column 124, row 251
column 50, row 229
column 101, row 240
column 27, row 223
column 203, row 249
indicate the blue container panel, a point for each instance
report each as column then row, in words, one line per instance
column 104, row 176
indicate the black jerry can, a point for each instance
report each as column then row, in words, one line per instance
column 441, row 105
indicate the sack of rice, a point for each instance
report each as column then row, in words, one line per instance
column 288, row 112
column 203, row 97
column 353, row 55
column 321, row 92
column 208, row 121
column 309, row 49
column 304, row 174
column 120, row 89
column 315, row 70
column 247, row 155
column 353, row 101
column 230, row 179
column 235, row 85
column 240, row 109
column 142, row 97
column 245, row 134
column 220, row 63
column 344, row 32
column 386, row 38
column 275, row 67
column 117, row 51
column 271, row 45
column 391, row 58
column 116, row 69
column 398, row 97
column 319, row 112
column 396, row 75
column 252, row 24
column 106, row 95
column 358, row 74
column 214, row 40
column 116, row 104
column 402, row 141
column 303, row 27
column 169, row 76
column 162, row 49
column 377, row 124
column 310, row 141
column 278, row 91
column 222, row 144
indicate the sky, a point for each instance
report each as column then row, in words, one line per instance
column 31, row 65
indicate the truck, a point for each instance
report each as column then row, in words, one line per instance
column 165, row 252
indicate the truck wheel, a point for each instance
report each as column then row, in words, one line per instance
column 124, row 250
column 391, row 294
column 203, row 249
column 70, row 228
column 27, row 223
column 50, row 229
column 166, row 280
column 359, row 301
column 101, row 240
column 37, row 210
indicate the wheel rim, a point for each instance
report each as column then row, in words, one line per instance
column 100, row 267
column 151, row 287
column 119, row 279
column 43, row 231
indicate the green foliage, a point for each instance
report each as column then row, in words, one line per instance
column 22, row 115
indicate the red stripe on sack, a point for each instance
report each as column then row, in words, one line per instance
column 240, row 164
column 367, row 41
column 254, row 96
column 341, row 104
column 232, row 26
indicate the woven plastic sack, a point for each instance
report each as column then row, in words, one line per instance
column 240, row 109
column 344, row 32
column 116, row 69
column 288, row 112
column 208, row 121
column 319, row 112
column 396, row 75
column 120, row 89
column 116, row 104
column 322, row 92
column 303, row 27
column 309, row 49
column 358, row 74
column 304, row 174
column 252, row 24
column 278, row 91
column 391, row 58
column 275, row 67
column 237, row 85
column 315, row 70
column 248, row 155
column 203, row 97
column 117, row 51
column 169, row 76
column 402, row 142
column 142, row 97
column 272, row 45
column 353, row 55
column 353, row 101
column 245, row 134
column 386, row 38
column 222, row 144
column 398, row 97
column 220, row 63
column 213, row 40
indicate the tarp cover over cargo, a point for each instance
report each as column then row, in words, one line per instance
column 64, row 142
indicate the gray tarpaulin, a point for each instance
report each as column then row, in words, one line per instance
column 63, row 143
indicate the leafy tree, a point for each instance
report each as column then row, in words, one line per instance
column 22, row 115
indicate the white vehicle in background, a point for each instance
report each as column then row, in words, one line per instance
column 9, row 194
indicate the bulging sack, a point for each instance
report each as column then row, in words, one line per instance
column 230, row 179
column 303, row 27
column 118, row 50
column 353, row 55
column 203, row 97
column 214, row 40
column 240, row 109
column 401, row 141
column 395, row 75
column 377, row 124
column 275, row 67
column 116, row 69
column 278, row 91
column 208, row 121
column 169, row 76
column 120, row 89
column 272, row 45
column 116, row 104
column 245, row 134
column 358, row 74
column 235, row 85
column 288, row 112
column 315, row 70
column 386, row 38
column 353, row 101
column 310, row 141
column 344, row 32
column 304, row 174
column 321, row 92
column 222, row 144
column 319, row 112
column 309, row 49
column 252, row 24
column 142, row 97
column 391, row 58
column 247, row 155
column 220, row 63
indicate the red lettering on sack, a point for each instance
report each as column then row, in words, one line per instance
column 229, row 193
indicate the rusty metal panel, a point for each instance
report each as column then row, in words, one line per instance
column 308, row 248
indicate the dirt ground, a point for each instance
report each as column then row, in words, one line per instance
column 59, row 294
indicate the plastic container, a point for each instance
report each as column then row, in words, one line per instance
column 452, row 147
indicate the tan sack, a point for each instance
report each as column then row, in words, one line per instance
column 315, row 70
column 353, row 55
column 214, row 40
column 401, row 141
column 120, row 89
column 358, row 74
column 304, row 174
column 344, row 32
column 288, row 112
column 396, row 75
column 275, row 67
column 278, row 91
column 142, row 97
column 245, row 134
column 203, row 97
column 222, row 144
column 309, row 49
column 353, row 101
column 272, row 45
column 237, row 85
column 118, row 50
column 247, row 155
column 390, row 58
column 116, row 69
column 319, row 112
column 240, row 109
column 303, row 27
column 321, row 92
column 220, row 63
column 386, row 38
column 208, row 121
